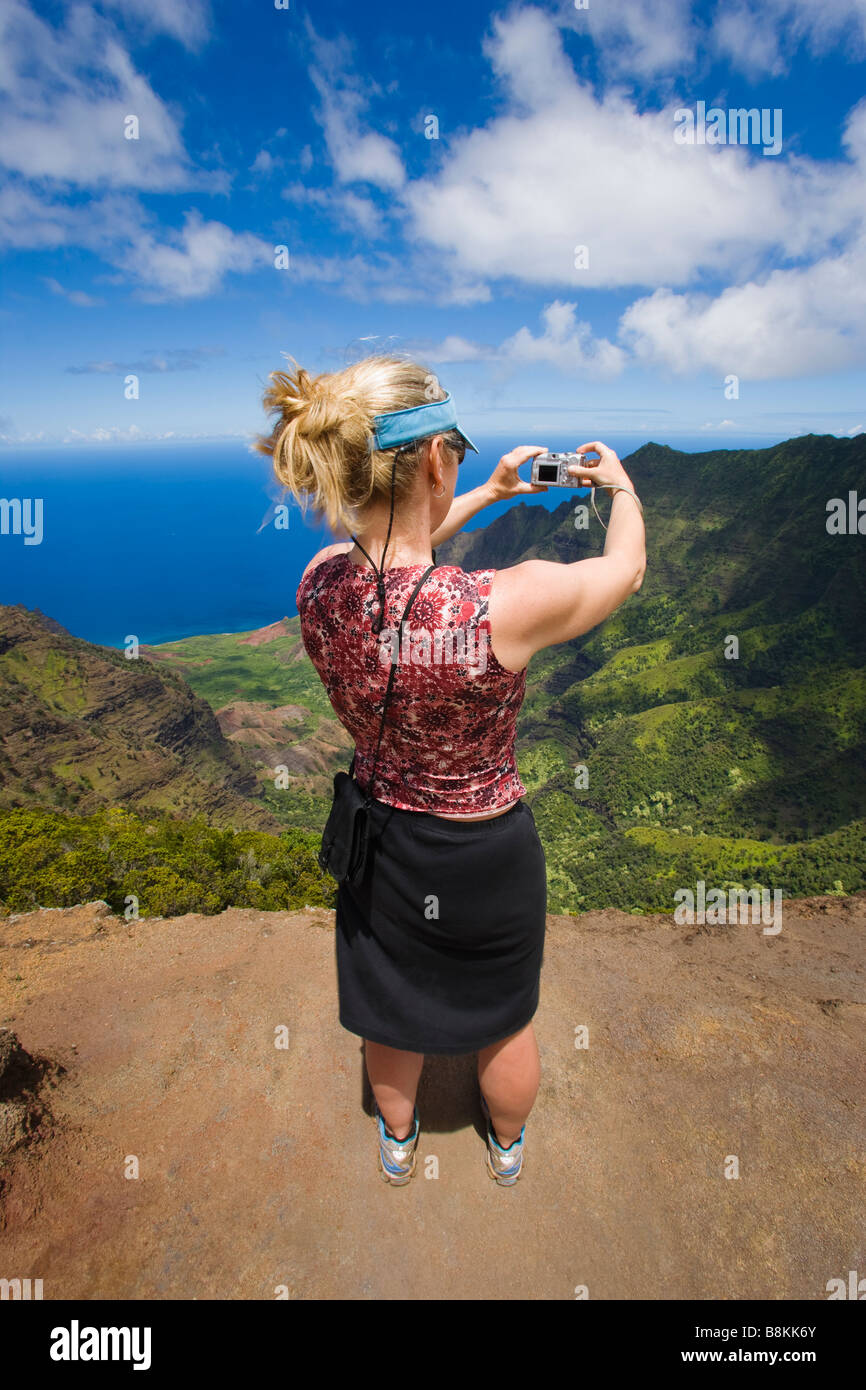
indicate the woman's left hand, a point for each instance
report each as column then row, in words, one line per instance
column 505, row 481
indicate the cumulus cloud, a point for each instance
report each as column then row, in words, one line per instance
column 634, row 38
column 564, row 168
column 564, row 343
column 571, row 188
column 196, row 259
column 65, row 94
column 64, row 97
column 790, row 323
column 357, row 155
column 457, row 349
column 161, row 263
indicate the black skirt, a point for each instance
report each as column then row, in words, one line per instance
column 440, row 947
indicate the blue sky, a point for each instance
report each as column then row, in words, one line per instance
column 307, row 127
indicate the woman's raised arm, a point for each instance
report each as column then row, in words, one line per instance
column 540, row 603
column 503, row 484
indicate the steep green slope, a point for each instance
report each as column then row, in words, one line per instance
column 270, row 702
column 713, row 728
column 83, row 727
column 685, row 733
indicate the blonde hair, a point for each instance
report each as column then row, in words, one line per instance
column 321, row 442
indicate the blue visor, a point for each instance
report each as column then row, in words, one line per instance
column 420, row 422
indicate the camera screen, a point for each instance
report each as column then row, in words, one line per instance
column 548, row 472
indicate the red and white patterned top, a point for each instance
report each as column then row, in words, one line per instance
column 448, row 744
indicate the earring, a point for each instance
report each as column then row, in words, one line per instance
column 438, row 494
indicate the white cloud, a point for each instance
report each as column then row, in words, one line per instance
column 32, row 219
column 185, row 20
column 131, row 434
column 564, row 343
column 564, row 168
column 528, row 42
column 635, row 38
column 348, row 208
column 162, row 263
column 357, row 156
column 64, row 96
column 197, row 259
column 264, row 163
column 789, row 324
column 388, row 278
column 65, row 93
column 117, row 434
column 762, row 38
column 786, row 323
column 169, row 360
column 457, row 349
column 77, row 297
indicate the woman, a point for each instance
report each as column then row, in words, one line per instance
column 439, row 946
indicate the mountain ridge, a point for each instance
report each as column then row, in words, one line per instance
column 81, row 726
column 720, row 709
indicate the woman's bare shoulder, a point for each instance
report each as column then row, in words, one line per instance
column 340, row 548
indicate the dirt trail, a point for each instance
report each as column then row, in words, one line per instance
column 257, row 1165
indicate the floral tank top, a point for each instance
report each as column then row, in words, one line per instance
column 448, row 742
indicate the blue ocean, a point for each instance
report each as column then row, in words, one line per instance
column 170, row 541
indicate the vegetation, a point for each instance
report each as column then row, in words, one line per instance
column 733, row 762
column 713, row 728
column 169, row 866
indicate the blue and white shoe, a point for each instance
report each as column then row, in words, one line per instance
column 504, row 1165
column 397, row 1156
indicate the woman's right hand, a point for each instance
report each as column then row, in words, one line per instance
column 606, row 468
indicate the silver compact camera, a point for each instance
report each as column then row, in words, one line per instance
column 551, row 470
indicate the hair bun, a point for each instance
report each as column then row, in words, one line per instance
column 318, row 405
column 322, row 442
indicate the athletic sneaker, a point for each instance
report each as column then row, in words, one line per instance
column 503, row 1164
column 397, row 1156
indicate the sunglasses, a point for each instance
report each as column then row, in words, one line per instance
column 458, row 449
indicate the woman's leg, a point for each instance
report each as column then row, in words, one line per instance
column 509, row 1073
column 394, row 1077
